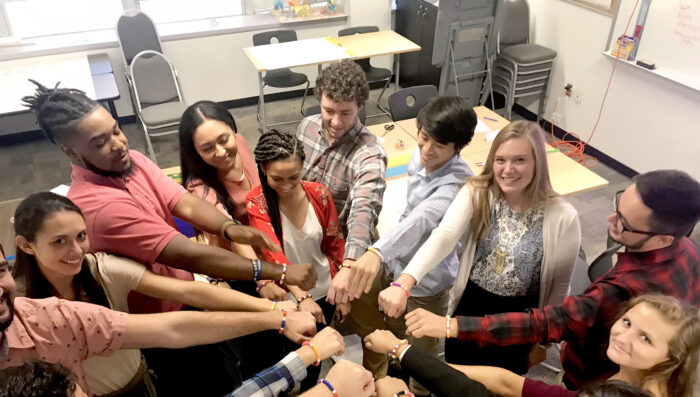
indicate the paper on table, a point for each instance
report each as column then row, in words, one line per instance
column 481, row 127
column 490, row 136
column 294, row 53
column 353, row 350
column 70, row 70
column 61, row 190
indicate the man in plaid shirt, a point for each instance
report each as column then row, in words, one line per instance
column 344, row 156
column 650, row 219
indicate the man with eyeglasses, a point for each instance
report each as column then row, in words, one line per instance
column 651, row 218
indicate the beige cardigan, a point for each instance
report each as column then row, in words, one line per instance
column 561, row 235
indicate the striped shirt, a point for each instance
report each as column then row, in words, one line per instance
column 270, row 382
column 353, row 169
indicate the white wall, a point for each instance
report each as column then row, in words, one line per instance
column 648, row 123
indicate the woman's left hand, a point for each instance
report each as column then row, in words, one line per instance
column 420, row 323
column 310, row 306
column 381, row 341
column 392, row 300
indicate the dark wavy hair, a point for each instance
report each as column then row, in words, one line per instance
column 274, row 146
column 448, row 119
column 343, row 81
column 37, row 379
column 674, row 199
column 30, row 216
column 193, row 167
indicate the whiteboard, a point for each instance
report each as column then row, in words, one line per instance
column 671, row 37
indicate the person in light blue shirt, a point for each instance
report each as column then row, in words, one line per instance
column 436, row 172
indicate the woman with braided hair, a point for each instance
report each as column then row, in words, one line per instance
column 300, row 216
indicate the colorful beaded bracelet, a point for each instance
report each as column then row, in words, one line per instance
column 262, row 284
column 284, row 321
column 404, row 393
column 329, row 386
column 406, row 290
column 284, row 273
column 316, row 352
column 397, row 347
column 447, row 333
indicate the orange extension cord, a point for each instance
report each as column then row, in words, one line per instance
column 575, row 148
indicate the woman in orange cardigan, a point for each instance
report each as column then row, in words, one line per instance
column 300, row 216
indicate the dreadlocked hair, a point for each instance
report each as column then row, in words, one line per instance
column 58, row 109
column 274, row 146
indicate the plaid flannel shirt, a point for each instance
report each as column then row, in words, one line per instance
column 275, row 380
column 584, row 321
column 353, row 169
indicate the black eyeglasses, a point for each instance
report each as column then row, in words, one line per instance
column 621, row 220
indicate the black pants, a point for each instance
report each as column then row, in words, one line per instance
column 476, row 301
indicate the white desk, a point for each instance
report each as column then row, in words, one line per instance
column 324, row 50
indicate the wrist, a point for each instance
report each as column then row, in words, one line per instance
column 301, row 299
column 307, row 355
column 223, row 231
column 405, row 290
column 402, row 348
column 407, row 280
column 328, row 386
column 283, row 322
column 317, row 353
column 376, row 253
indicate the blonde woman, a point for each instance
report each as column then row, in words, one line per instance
column 519, row 238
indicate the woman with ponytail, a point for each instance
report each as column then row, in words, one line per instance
column 300, row 216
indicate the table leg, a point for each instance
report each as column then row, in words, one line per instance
column 398, row 70
column 263, row 120
column 113, row 111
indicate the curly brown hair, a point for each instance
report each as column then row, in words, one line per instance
column 343, row 81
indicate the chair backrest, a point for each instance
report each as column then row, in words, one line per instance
column 407, row 102
column 515, row 25
column 602, row 263
column 364, row 63
column 311, row 110
column 154, row 79
column 282, row 36
column 136, row 33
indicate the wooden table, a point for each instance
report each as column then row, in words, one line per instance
column 324, row 50
column 567, row 176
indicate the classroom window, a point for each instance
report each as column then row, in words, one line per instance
column 34, row 18
column 164, row 11
column 267, row 6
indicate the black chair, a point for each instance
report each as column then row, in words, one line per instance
column 407, row 102
column 373, row 74
column 311, row 110
column 603, row 262
column 281, row 78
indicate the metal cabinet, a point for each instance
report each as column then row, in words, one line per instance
column 416, row 20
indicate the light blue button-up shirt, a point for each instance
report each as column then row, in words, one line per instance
column 428, row 197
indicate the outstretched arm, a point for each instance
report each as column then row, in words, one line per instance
column 499, row 381
column 176, row 330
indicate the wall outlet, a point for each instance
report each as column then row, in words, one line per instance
column 577, row 95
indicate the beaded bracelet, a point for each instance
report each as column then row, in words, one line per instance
column 222, row 230
column 303, row 298
column 406, row 290
column 257, row 269
column 274, row 305
column 347, row 265
column 397, row 347
column 376, row 252
column 329, row 386
column 316, row 352
column 404, row 393
column 284, row 273
column 262, row 284
column 284, row 321
column 447, row 333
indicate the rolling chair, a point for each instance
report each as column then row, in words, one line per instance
column 280, row 78
column 373, row 74
column 407, row 102
column 521, row 69
column 157, row 95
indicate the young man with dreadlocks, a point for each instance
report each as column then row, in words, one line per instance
column 344, row 156
column 129, row 204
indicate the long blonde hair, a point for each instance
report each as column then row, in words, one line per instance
column 485, row 184
column 678, row 372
